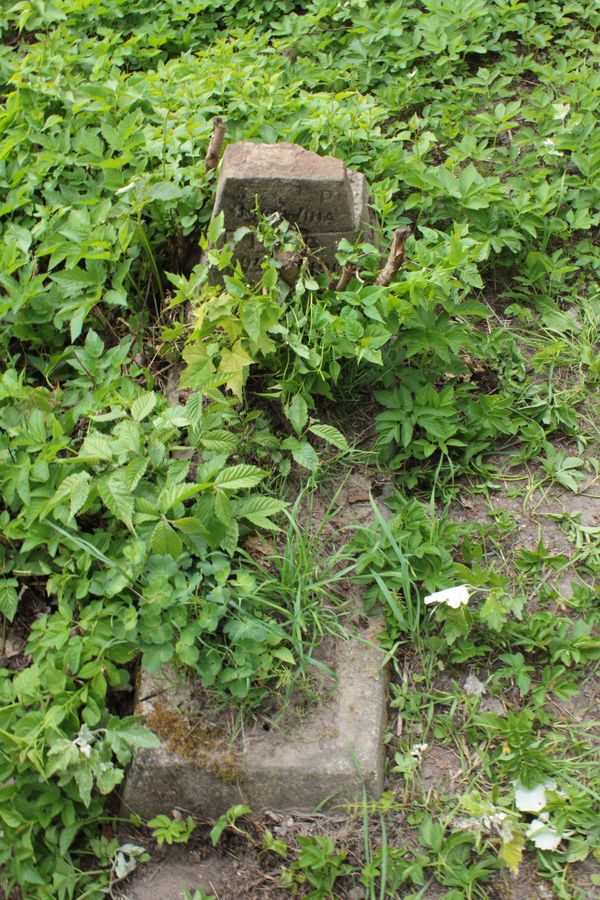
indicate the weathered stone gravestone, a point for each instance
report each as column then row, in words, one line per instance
column 333, row 753
column 316, row 194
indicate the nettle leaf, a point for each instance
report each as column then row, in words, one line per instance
column 236, row 478
column 165, row 541
column 116, row 496
column 331, row 435
column 9, row 599
column 297, row 413
column 143, row 406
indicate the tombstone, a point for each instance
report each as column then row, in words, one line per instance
column 316, row 194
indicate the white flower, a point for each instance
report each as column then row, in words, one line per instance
column 543, row 835
column 532, row 799
column 411, row 74
column 454, row 597
column 418, row 750
column 548, row 142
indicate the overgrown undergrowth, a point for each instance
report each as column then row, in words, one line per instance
column 132, row 494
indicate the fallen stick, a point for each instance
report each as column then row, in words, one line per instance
column 346, row 277
column 394, row 260
column 213, row 154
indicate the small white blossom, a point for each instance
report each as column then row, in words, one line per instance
column 453, row 597
column 418, row 750
column 411, row 74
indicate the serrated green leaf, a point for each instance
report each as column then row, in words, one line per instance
column 172, row 494
column 297, row 413
column 165, row 540
column 306, row 456
column 9, row 599
column 95, row 447
column 331, row 435
column 257, row 509
column 80, row 489
column 75, row 488
column 194, row 408
column 190, row 525
column 116, row 496
column 236, row 478
column 493, row 613
column 223, row 508
column 235, row 361
column 134, row 470
column 219, row 440
column 143, row 406
column 511, row 852
column 229, row 541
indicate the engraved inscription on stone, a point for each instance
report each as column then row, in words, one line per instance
column 317, row 194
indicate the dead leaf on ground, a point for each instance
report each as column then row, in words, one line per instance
column 255, row 544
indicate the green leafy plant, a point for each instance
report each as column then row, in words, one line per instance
column 126, row 521
column 167, row 830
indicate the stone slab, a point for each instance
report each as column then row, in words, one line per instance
column 310, row 191
column 318, row 195
column 329, row 755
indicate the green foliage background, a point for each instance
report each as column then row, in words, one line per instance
column 475, row 123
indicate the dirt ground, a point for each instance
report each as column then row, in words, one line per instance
column 531, row 510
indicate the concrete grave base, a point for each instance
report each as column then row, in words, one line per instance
column 328, row 755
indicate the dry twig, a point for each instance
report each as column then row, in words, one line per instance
column 395, row 258
column 346, row 277
column 213, row 154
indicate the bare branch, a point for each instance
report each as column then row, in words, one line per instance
column 211, row 160
column 395, row 258
column 346, row 277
